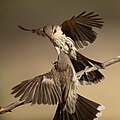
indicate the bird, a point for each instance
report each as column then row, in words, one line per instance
column 58, row 87
column 72, row 35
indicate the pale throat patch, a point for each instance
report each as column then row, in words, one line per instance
column 65, row 43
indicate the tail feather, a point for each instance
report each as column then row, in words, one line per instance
column 81, row 63
column 58, row 113
column 85, row 110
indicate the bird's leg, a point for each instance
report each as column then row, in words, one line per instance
column 79, row 74
column 90, row 69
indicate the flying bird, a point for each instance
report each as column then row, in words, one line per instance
column 58, row 86
column 72, row 35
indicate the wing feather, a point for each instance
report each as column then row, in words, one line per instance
column 41, row 89
column 82, row 27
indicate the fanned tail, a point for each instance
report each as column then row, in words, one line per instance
column 85, row 110
column 81, row 63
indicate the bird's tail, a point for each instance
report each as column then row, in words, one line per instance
column 85, row 110
column 81, row 63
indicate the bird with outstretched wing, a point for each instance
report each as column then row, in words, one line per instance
column 58, row 86
column 71, row 35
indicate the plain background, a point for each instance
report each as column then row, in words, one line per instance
column 24, row 55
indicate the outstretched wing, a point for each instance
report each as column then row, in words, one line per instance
column 79, row 28
column 41, row 89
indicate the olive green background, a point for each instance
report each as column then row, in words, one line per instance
column 24, row 55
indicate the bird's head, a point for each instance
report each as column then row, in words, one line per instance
column 50, row 30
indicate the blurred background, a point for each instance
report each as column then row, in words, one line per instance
column 24, row 55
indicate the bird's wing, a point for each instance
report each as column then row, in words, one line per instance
column 79, row 28
column 41, row 89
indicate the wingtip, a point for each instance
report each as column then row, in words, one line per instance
column 101, row 107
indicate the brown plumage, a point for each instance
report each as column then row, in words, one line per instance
column 50, row 88
column 58, row 86
column 71, row 35
column 79, row 28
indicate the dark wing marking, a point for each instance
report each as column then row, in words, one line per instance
column 79, row 28
column 41, row 89
column 81, row 63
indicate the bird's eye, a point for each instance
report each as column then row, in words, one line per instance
column 54, row 31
